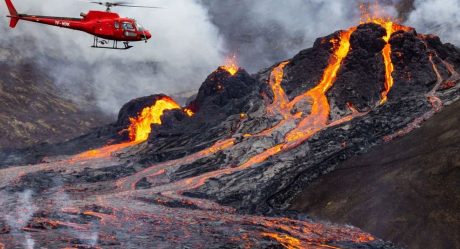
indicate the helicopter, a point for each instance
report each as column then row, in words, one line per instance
column 105, row 26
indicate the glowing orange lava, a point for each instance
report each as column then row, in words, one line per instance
column 189, row 112
column 285, row 240
column 231, row 65
column 320, row 105
column 391, row 28
column 103, row 152
column 140, row 127
column 280, row 99
column 374, row 14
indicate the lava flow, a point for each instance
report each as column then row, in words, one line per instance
column 280, row 99
column 320, row 105
column 141, row 126
column 390, row 27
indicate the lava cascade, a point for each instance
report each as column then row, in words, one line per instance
column 141, row 126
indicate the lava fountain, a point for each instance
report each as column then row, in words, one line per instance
column 231, row 65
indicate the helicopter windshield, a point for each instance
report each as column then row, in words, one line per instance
column 139, row 27
column 128, row 26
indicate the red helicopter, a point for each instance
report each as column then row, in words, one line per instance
column 104, row 25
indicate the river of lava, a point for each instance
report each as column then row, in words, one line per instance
column 390, row 28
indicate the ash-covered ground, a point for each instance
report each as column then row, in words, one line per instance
column 225, row 176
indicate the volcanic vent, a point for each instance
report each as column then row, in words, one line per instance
column 248, row 144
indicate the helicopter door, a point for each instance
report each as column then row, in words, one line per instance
column 104, row 29
column 118, row 29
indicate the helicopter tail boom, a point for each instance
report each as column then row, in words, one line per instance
column 13, row 14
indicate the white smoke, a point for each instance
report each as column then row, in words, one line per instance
column 17, row 211
column 29, row 242
column 440, row 17
column 21, row 209
column 266, row 31
column 184, row 48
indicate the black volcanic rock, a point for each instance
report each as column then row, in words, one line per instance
column 223, row 93
column 414, row 72
column 361, row 79
column 218, row 105
column 368, row 37
column 269, row 185
column 411, row 185
column 305, row 69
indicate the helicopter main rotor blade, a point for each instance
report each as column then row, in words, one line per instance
column 111, row 3
column 137, row 6
column 124, row 4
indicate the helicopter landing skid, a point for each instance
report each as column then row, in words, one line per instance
column 105, row 44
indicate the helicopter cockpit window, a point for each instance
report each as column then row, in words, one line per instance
column 139, row 27
column 117, row 25
column 128, row 26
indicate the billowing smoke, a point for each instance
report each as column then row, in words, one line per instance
column 266, row 31
column 263, row 32
column 440, row 17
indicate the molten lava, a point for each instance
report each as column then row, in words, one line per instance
column 103, row 152
column 189, row 112
column 231, row 65
column 280, row 99
column 285, row 240
column 391, row 28
column 320, row 106
column 377, row 16
column 141, row 127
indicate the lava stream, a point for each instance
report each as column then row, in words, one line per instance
column 280, row 99
column 141, row 126
column 391, row 28
column 103, row 152
column 320, row 105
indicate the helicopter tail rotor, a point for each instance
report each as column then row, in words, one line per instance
column 13, row 14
